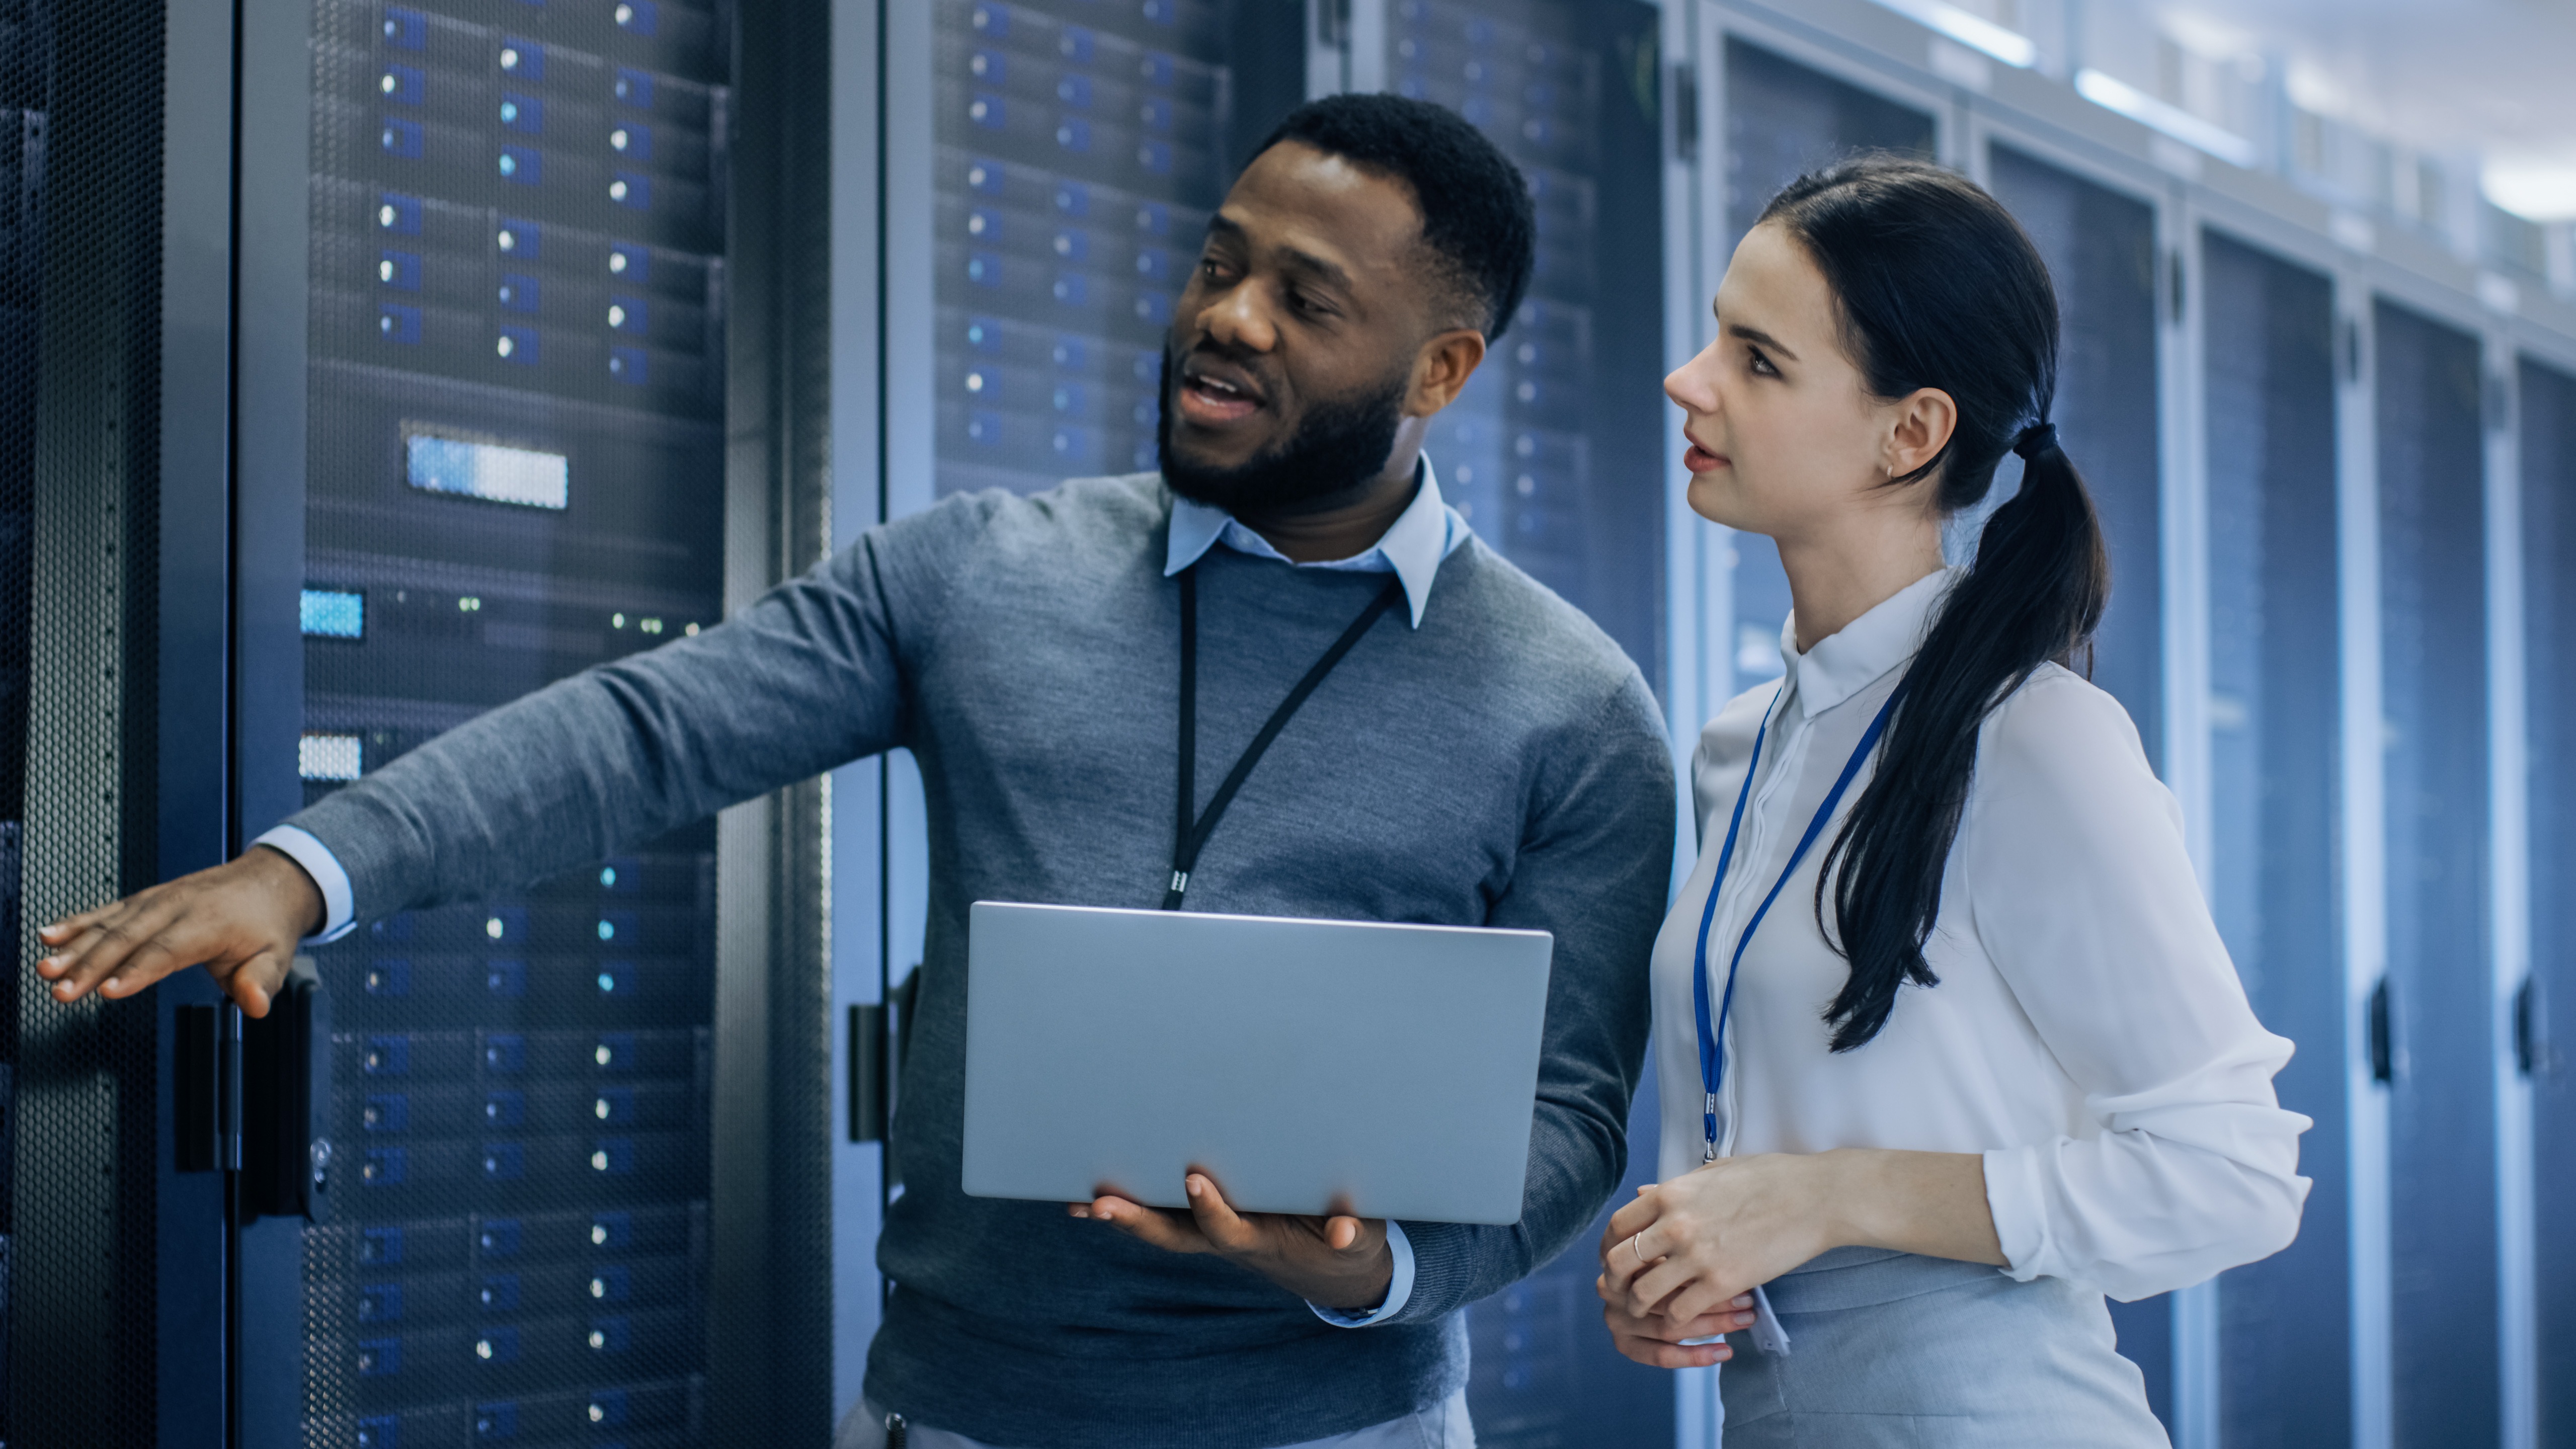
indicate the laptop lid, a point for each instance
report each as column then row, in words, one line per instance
column 1307, row 1066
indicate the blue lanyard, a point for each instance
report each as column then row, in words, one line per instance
column 1712, row 1042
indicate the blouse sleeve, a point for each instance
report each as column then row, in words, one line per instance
column 2084, row 896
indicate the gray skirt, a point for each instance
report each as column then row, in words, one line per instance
column 1889, row 1349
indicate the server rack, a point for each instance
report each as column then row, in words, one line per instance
column 516, row 406
column 537, row 313
column 2544, row 1020
column 2275, row 679
column 2429, row 1020
column 113, row 420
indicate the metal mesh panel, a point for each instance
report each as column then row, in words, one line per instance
column 2275, row 707
column 2100, row 246
column 1542, row 452
column 1076, row 166
column 79, row 278
column 2548, row 1025
column 518, row 383
column 2441, row 1109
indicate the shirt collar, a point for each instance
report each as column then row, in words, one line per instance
column 1843, row 664
column 1428, row 531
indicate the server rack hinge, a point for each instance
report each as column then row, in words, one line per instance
column 1333, row 22
column 1685, row 104
column 2383, row 1047
column 2527, row 1047
column 868, row 1051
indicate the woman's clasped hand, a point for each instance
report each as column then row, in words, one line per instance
column 1680, row 1261
column 1678, row 1264
column 1686, row 1248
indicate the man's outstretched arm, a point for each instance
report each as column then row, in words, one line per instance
column 807, row 678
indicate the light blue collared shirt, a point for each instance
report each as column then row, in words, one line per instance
column 1413, row 548
column 1424, row 534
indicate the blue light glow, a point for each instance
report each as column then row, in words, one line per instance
column 333, row 614
column 489, row 470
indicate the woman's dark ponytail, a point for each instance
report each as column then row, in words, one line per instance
column 1940, row 288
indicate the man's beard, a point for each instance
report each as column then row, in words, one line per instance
column 1339, row 446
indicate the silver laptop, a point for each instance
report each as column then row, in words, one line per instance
column 1307, row 1066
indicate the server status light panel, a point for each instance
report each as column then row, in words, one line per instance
column 514, row 473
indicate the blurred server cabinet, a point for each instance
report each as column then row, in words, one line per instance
column 2545, row 1011
column 525, row 227
column 2432, row 1019
column 2276, row 690
column 2100, row 246
column 1078, row 151
column 1552, row 452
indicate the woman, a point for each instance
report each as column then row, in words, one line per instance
column 1941, row 997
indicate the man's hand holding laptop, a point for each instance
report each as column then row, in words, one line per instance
column 1338, row 1261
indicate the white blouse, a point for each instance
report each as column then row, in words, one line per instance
column 2088, row 1035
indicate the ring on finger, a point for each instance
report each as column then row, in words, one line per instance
column 1636, row 1247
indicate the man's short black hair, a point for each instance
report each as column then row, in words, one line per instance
column 1477, row 217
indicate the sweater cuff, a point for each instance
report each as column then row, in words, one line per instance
column 2014, row 1196
column 339, row 916
column 1399, row 1287
column 1443, row 1270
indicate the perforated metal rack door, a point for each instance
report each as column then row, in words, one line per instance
column 2547, row 1017
column 1078, row 156
column 80, row 160
column 2433, row 680
column 1551, row 451
column 2275, row 705
column 2100, row 246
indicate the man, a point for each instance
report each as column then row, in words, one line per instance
column 1481, row 756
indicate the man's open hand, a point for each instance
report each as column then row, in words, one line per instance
column 239, row 920
column 1337, row 1262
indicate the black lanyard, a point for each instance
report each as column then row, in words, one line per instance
column 1189, row 837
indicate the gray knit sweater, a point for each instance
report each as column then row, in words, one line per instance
column 1502, row 764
